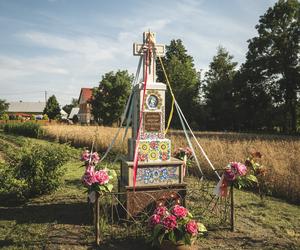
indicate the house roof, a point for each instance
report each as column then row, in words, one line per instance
column 74, row 111
column 85, row 95
column 26, row 107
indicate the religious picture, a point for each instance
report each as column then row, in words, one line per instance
column 152, row 101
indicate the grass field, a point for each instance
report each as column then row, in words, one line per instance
column 281, row 155
column 61, row 220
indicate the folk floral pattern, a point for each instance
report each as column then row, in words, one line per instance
column 155, row 175
column 151, row 136
column 158, row 150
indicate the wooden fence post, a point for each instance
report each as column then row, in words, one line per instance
column 231, row 208
column 97, row 214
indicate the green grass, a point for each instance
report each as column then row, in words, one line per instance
column 62, row 220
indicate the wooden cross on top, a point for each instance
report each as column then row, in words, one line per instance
column 149, row 42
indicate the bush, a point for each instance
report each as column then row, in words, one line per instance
column 26, row 129
column 41, row 167
column 4, row 117
column 11, row 187
column 45, row 117
column 31, row 170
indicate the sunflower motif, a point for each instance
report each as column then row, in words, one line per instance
column 164, row 146
column 153, row 155
column 144, row 147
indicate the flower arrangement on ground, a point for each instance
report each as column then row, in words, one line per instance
column 96, row 179
column 176, row 225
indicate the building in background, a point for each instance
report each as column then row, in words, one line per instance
column 74, row 112
column 84, row 113
column 25, row 109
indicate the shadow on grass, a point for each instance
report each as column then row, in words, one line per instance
column 72, row 213
column 75, row 182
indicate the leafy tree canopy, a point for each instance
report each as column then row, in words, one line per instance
column 3, row 106
column 218, row 90
column 52, row 109
column 273, row 58
column 184, row 79
column 109, row 99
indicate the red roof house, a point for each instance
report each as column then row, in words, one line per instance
column 84, row 114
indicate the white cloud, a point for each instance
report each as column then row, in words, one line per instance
column 76, row 56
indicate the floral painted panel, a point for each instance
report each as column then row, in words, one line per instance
column 158, row 150
column 158, row 175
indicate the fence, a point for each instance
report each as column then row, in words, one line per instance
column 113, row 220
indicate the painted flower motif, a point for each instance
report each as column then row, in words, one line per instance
column 163, row 146
column 153, row 144
column 192, row 227
column 153, row 155
column 169, row 222
column 144, row 147
column 164, row 156
column 101, row 177
column 179, row 211
column 142, row 157
column 154, row 220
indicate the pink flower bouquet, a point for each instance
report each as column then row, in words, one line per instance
column 98, row 180
column 236, row 174
column 176, row 225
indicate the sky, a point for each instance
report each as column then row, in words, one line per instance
column 60, row 46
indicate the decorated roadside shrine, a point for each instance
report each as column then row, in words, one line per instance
column 149, row 167
column 153, row 194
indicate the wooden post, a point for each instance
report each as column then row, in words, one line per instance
column 231, row 208
column 97, row 213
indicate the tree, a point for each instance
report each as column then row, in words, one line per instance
column 184, row 79
column 3, row 106
column 52, row 109
column 68, row 107
column 218, row 91
column 109, row 99
column 273, row 57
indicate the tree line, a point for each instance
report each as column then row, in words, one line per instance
column 261, row 95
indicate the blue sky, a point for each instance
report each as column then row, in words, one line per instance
column 59, row 46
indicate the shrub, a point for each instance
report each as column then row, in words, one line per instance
column 11, row 187
column 4, row 117
column 41, row 167
column 32, row 169
column 26, row 129
column 45, row 117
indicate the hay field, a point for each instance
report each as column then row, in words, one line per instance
column 281, row 154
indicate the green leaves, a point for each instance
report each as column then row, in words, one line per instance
column 52, row 108
column 184, row 79
column 109, row 187
column 109, row 99
column 218, row 90
column 270, row 76
column 252, row 178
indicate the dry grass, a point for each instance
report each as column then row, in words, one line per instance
column 281, row 154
